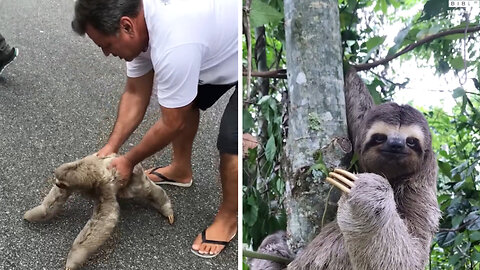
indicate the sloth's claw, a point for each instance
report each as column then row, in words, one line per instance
column 338, row 185
column 170, row 219
column 342, row 179
column 348, row 174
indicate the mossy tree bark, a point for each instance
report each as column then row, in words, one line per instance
column 316, row 113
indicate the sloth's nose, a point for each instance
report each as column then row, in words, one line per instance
column 395, row 144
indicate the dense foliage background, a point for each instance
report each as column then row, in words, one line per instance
column 365, row 29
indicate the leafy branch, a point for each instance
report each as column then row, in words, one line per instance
column 414, row 45
column 282, row 73
column 463, row 226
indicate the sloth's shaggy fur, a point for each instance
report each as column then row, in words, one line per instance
column 90, row 176
column 388, row 219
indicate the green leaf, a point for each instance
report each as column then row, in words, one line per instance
column 248, row 122
column 432, row 8
column 244, row 264
column 395, row 3
column 250, row 214
column 457, row 63
column 473, row 221
column 374, row 42
column 280, row 185
column 372, row 88
column 270, row 149
column 381, row 5
column 264, row 99
column 445, row 239
column 459, row 239
column 443, row 197
column 434, row 29
column 443, row 67
column 454, row 259
column 478, row 70
column 475, row 236
column 262, row 13
column 458, row 92
column 399, row 40
column 457, row 220
column 476, row 256
column 458, row 185
column 476, row 83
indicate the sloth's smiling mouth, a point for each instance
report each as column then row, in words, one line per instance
column 393, row 153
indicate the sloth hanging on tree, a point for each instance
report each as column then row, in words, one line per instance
column 388, row 212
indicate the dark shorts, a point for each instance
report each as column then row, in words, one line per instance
column 208, row 94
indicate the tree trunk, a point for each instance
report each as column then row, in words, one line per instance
column 316, row 113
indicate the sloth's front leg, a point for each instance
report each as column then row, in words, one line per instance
column 375, row 235
column 368, row 201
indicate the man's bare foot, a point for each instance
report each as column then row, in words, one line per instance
column 172, row 173
column 223, row 228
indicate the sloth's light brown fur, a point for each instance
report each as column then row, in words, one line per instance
column 388, row 219
column 91, row 177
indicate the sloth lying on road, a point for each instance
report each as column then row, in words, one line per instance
column 90, row 176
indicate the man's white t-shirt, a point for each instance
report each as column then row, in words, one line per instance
column 191, row 42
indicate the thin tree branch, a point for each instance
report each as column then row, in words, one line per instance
column 263, row 256
column 280, row 74
column 400, row 85
column 412, row 46
column 463, row 226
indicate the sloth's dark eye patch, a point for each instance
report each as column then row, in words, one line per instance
column 412, row 142
column 378, row 138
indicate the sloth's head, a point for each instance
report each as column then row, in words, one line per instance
column 84, row 173
column 396, row 141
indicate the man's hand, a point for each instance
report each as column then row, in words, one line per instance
column 124, row 168
column 106, row 150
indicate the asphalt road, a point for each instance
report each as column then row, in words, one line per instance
column 58, row 103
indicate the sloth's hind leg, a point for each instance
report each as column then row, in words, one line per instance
column 51, row 205
column 158, row 198
column 97, row 230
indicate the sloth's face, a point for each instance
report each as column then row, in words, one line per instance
column 81, row 174
column 393, row 151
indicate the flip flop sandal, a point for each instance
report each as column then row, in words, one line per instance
column 215, row 242
column 166, row 180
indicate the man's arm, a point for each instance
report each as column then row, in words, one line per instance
column 168, row 126
column 131, row 110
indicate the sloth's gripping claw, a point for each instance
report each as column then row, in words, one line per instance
column 342, row 179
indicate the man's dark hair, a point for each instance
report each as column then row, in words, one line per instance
column 103, row 15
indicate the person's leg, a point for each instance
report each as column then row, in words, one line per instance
column 7, row 54
column 180, row 169
column 224, row 227
column 4, row 48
